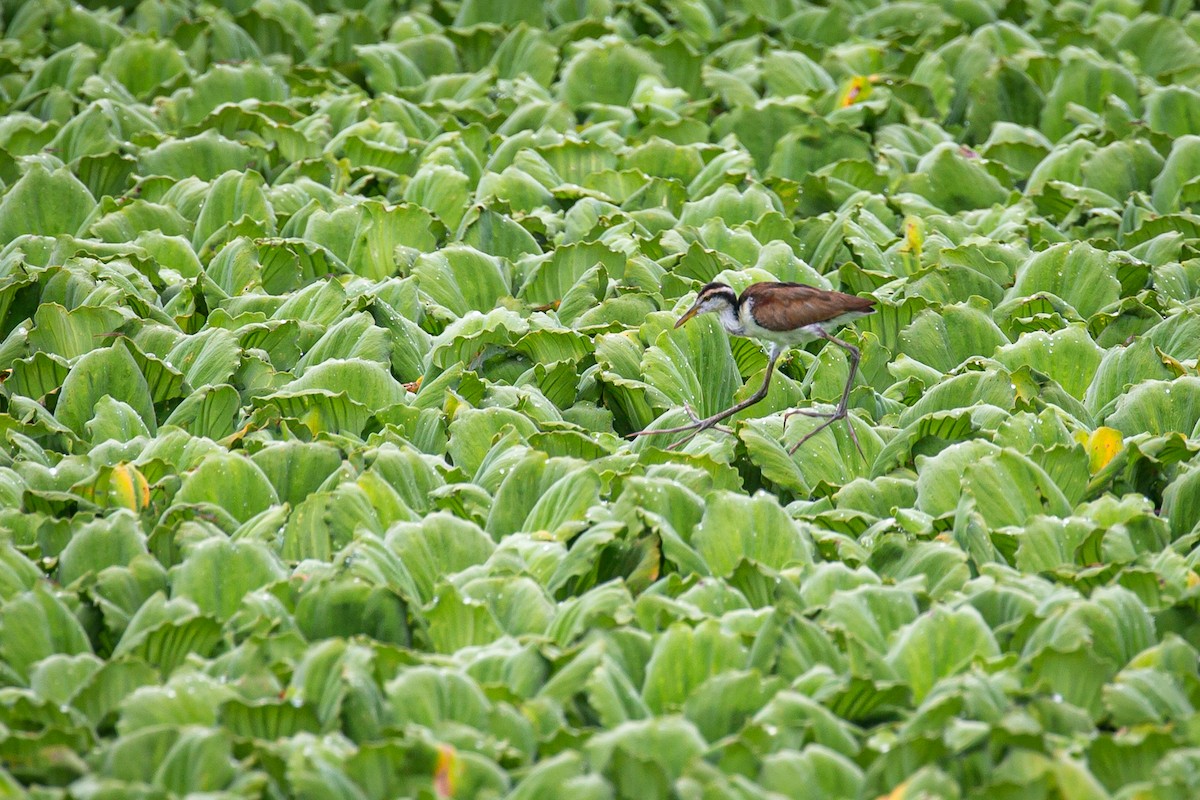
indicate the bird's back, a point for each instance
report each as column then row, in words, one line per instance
column 782, row 307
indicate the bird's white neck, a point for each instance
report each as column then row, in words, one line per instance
column 730, row 321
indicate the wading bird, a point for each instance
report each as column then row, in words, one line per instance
column 785, row 315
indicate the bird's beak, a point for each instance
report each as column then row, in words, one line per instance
column 691, row 312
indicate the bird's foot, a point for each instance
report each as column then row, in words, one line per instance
column 805, row 412
column 811, row 434
column 809, row 412
column 699, row 425
column 693, row 429
column 707, row 424
column 830, row 417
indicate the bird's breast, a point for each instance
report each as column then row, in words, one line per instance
column 791, row 337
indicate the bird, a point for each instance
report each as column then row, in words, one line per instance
column 784, row 315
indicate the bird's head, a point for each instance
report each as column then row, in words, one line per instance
column 713, row 297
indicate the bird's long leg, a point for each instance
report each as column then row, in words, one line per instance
column 841, row 410
column 829, row 415
column 699, row 425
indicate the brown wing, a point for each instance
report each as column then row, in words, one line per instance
column 787, row 306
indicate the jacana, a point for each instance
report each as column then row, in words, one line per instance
column 785, row 315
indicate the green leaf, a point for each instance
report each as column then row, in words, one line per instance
column 37, row 376
column 268, row 721
column 605, row 71
column 468, row 338
column 1086, row 81
column 546, row 493
column 1173, row 189
column 1121, row 368
column 1161, row 45
column 1068, row 356
column 108, row 686
column 940, row 644
column 296, row 469
column 1181, row 502
column 519, row 605
column 456, row 622
column 815, row 766
column 210, row 412
column 200, row 760
column 694, row 365
column 721, row 705
column 549, row 278
column 1171, row 109
column 565, row 504
column 45, row 203
column 966, row 389
column 113, row 541
column 365, row 384
column 463, row 279
column 437, row 546
column 241, row 79
column 1158, row 407
column 755, row 529
column 953, row 182
column 1083, row 643
column 232, row 196
column 799, row 719
column 945, row 338
column 336, row 607
column 683, row 659
column 442, row 189
column 1078, row 273
column 430, row 697
column 497, row 234
column 474, row 432
column 17, row 573
column 112, row 372
column 644, row 757
column 143, row 65
column 72, row 333
column 1122, row 168
column 207, row 358
column 1009, row 488
column 186, row 700
column 229, row 482
column 205, row 156
column 216, row 574
column 35, row 625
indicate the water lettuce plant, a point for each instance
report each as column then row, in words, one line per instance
column 323, row 326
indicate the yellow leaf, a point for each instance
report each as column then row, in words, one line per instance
column 447, row 771
column 858, row 88
column 1025, row 386
column 1193, row 580
column 312, row 421
column 914, row 243
column 452, row 405
column 128, row 488
column 236, row 436
column 1102, row 445
column 895, row 794
column 914, row 234
column 1177, row 369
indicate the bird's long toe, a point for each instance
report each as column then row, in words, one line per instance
column 832, row 418
column 810, row 412
column 810, row 435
